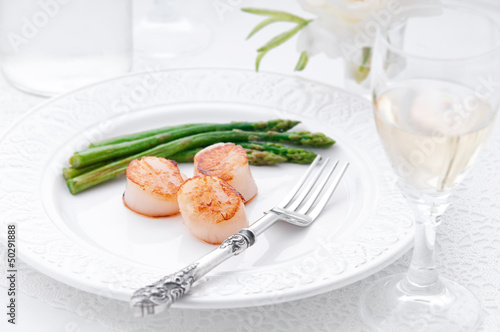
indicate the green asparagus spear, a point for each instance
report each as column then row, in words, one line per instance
column 292, row 155
column 255, row 157
column 71, row 172
column 142, row 134
column 263, row 158
column 166, row 150
column 273, row 125
column 288, row 154
column 270, row 154
column 108, row 152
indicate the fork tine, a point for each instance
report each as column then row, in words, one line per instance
column 326, row 197
column 299, row 184
column 318, row 188
column 306, row 188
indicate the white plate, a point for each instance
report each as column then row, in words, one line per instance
column 92, row 242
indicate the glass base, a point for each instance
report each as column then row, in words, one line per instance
column 387, row 306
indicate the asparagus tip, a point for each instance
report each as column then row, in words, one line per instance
column 263, row 158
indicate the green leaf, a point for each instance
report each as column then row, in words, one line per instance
column 301, row 64
column 283, row 16
column 261, row 25
column 281, row 38
column 259, row 58
column 278, row 18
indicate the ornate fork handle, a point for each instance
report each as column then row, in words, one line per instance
column 300, row 207
column 161, row 294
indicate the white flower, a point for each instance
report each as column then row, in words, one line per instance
column 345, row 27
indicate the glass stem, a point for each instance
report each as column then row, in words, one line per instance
column 422, row 276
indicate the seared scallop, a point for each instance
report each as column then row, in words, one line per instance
column 212, row 209
column 228, row 162
column 152, row 185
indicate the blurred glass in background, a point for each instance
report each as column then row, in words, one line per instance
column 166, row 31
column 51, row 46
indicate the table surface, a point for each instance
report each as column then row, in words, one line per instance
column 468, row 244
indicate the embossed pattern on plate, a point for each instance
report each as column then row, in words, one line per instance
column 34, row 149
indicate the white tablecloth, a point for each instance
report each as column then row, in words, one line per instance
column 468, row 240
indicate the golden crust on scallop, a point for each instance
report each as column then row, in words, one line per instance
column 156, row 175
column 219, row 160
column 210, row 198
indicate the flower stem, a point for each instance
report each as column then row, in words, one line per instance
column 364, row 67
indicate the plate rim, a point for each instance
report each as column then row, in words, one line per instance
column 87, row 284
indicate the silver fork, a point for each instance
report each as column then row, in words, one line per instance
column 300, row 207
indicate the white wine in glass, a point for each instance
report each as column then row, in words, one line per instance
column 434, row 108
column 430, row 138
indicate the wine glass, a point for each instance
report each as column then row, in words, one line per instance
column 436, row 75
column 166, row 32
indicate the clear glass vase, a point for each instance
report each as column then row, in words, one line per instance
column 51, row 46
